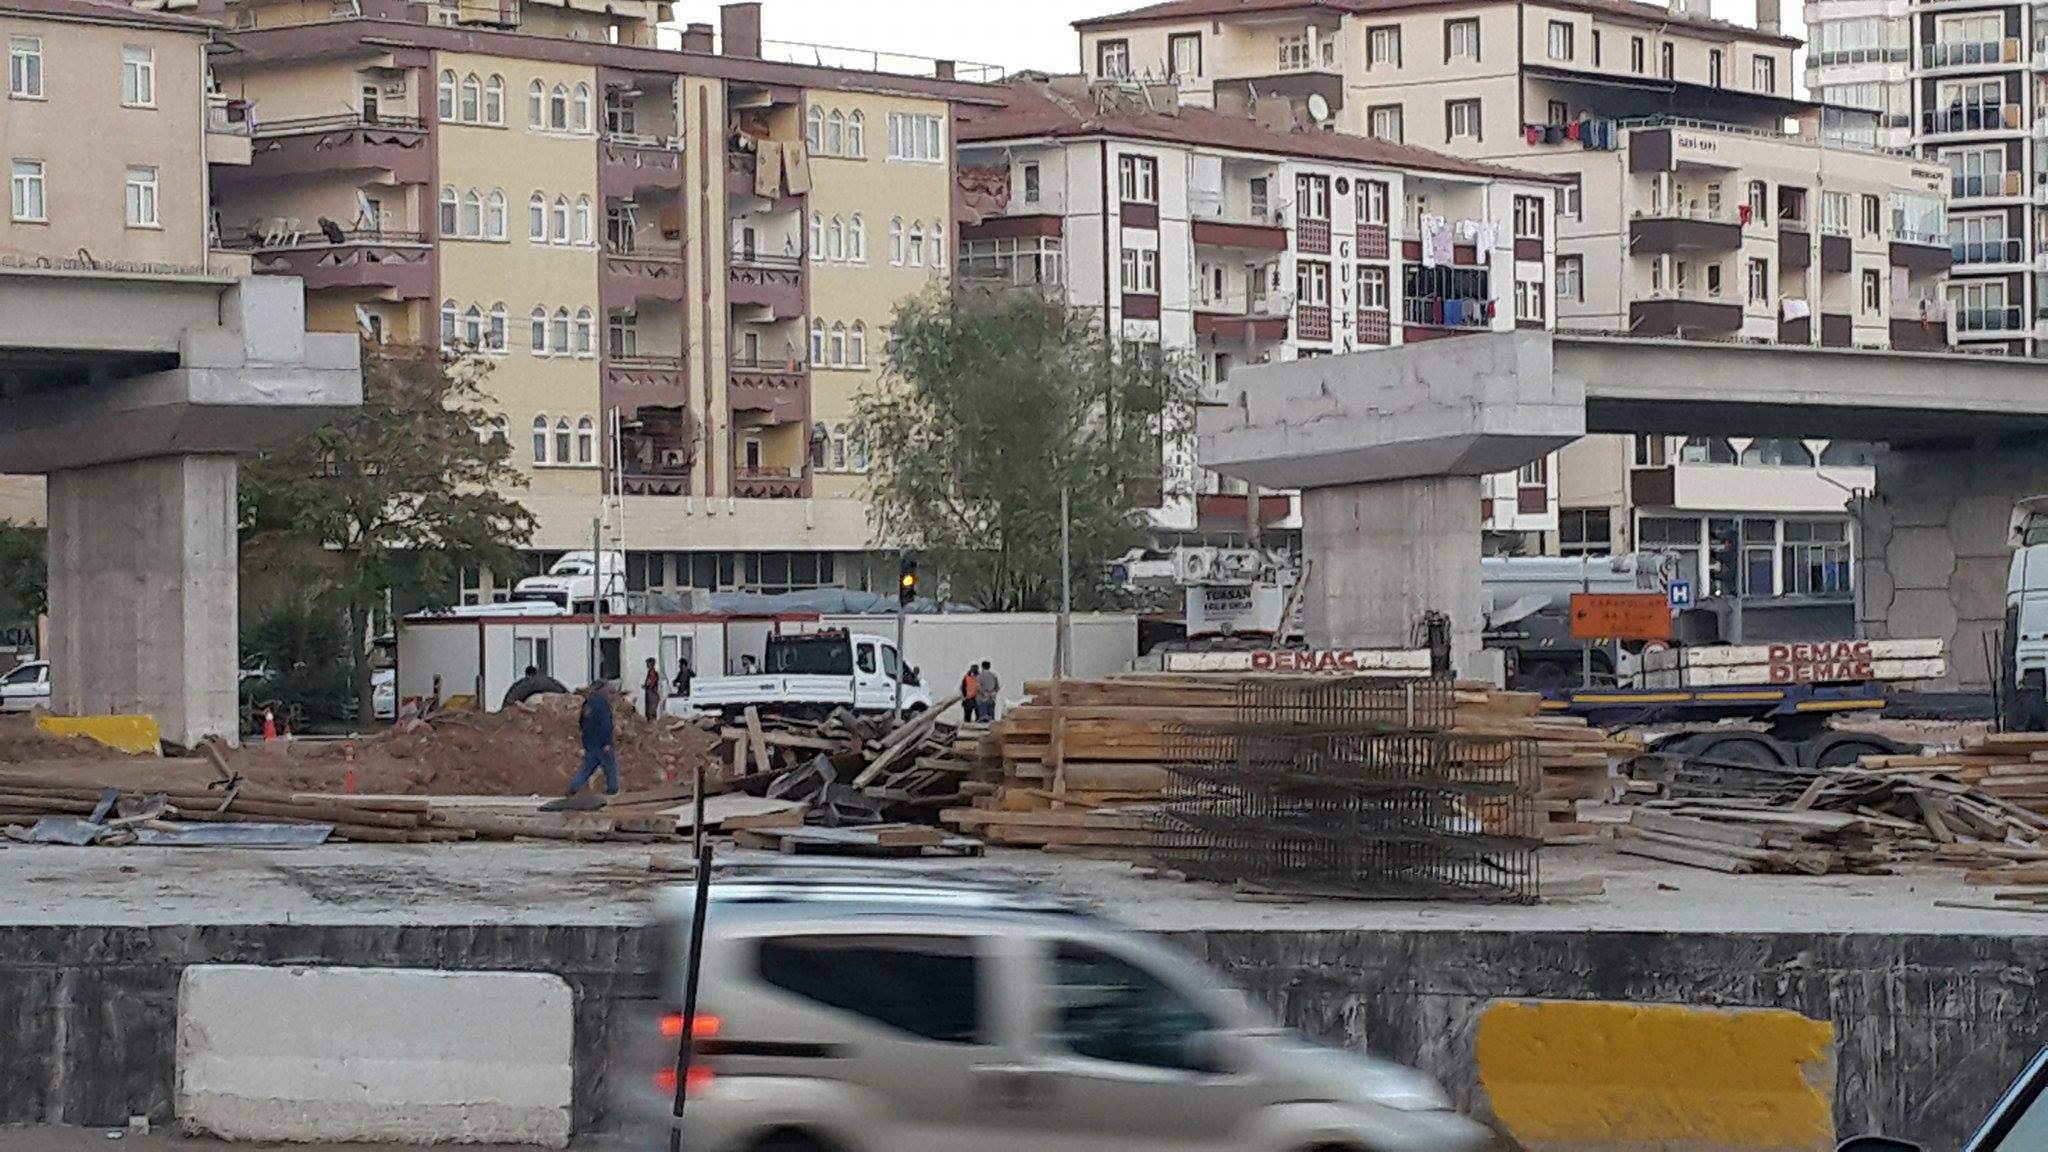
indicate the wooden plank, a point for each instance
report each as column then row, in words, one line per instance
column 1672, row 853
column 1932, row 815
column 902, row 741
column 756, row 741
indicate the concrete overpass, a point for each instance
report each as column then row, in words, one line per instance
column 133, row 390
column 1388, row 447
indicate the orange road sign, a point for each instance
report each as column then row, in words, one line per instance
column 1621, row 616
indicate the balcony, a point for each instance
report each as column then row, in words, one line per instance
column 1799, row 331
column 1671, row 231
column 1836, row 253
column 771, row 393
column 1837, row 331
column 1453, row 313
column 646, row 272
column 768, row 484
column 657, row 447
column 1374, row 326
column 1921, row 253
column 1987, row 321
column 1795, row 245
column 742, row 178
column 227, row 130
column 773, row 283
column 1980, row 253
column 628, row 164
column 1372, row 241
column 1312, row 237
column 1969, row 54
column 1963, row 119
column 1684, row 316
column 1986, row 185
column 1312, row 322
column 347, row 144
column 1245, row 326
column 1248, row 234
column 400, row 263
column 645, row 380
column 1929, row 335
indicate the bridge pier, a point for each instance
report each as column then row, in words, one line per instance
column 134, row 397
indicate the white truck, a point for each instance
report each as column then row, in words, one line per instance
column 576, row 580
column 2026, row 617
column 811, row 674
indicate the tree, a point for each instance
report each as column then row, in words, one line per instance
column 992, row 405
column 400, row 496
column 24, row 574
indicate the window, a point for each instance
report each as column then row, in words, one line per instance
column 622, row 334
column 1383, row 46
column 817, row 342
column 1256, row 192
column 1372, row 288
column 1137, row 179
column 1557, row 112
column 25, row 67
column 835, row 240
column 558, row 332
column 1596, row 47
column 560, row 234
column 540, row 439
column 537, row 218
column 1312, row 282
column 1816, row 561
column 1764, row 73
column 1372, row 202
column 1635, row 54
column 584, row 223
column 1574, row 206
column 1535, row 473
column 1668, row 61
column 914, row 246
column 856, row 240
column 27, row 184
column 1652, row 451
column 138, row 77
column 1461, row 40
column 1759, row 201
column 1183, row 55
column 1584, row 532
column 1714, row 67
column 562, row 440
column 1571, row 279
column 586, row 332
column 1031, row 186
column 1760, row 281
column 470, row 108
column 1141, row 271
column 1529, row 301
column 558, row 108
column 836, row 346
column 1834, row 213
column 857, row 345
column 924, row 986
column 1529, row 217
column 1461, row 120
column 537, row 339
column 586, row 441
column 916, row 137
column 582, row 107
column 472, row 214
column 494, row 215
column 494, row 100
column 450, row 225
column 1385, row 122
column 494, row 333
column 938, row 244
column 896, row 241
column 856, row 134
column 1312, row 197
column 1714, row 280
column 450, row 313
column 1873, row 292
column 473, row 327
column 141, row 198
column 1873, row 216
column 1559, row 41
column 536, row 102
column 814, row 129
column 1112, row 59
column 1106, row 1008
column 444, row 103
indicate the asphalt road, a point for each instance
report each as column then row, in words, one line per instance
column 115, row 1140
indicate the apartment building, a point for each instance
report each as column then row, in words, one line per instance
column 1980, row 87
column 1242, row 241
column 679, row 263
column 108, row 132
column 1859, row 54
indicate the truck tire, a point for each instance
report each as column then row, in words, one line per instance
column 1844, row 749
column 1746, row 749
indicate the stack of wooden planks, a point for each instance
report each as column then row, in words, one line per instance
column 917, row 763
column 2010, row 765
column 1084, row 774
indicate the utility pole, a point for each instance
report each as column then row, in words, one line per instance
column 597, row 586
column 1065, row 639
column 1741, row 581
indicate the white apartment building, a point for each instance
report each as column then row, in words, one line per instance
column 1859, row 54
column 1243, row 241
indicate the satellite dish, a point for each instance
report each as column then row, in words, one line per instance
column 1318, row 107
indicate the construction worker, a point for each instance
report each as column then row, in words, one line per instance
column 970, row 692
column 650, row 687
column 599, row 750
column 985, row 688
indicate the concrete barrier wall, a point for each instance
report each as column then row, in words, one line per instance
column 415, row 1056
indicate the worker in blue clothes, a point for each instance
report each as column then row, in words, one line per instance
column 599, row 743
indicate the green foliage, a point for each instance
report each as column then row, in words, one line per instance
column 992, row 404
column 398, row 497
column 305, row 650
column 24, row 574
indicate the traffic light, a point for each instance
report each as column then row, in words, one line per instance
column 1724, row 553
column 906, row 583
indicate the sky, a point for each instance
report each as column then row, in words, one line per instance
column 1014, row 34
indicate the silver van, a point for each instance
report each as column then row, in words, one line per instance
column 860, row 1011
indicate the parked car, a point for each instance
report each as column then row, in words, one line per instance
column 811, row 674
column 26, row 687
column 842, row 1011
column 384, row 693
column 2018, row 1122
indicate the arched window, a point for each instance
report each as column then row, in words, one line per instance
column 839, row 345
column 835, row 134
column 473, row 327
column 561, row 234
column 494, row 215
column 537, row 218
column 586, row 441
column 814, row 128
column 562, row 440
column 836, row 462
column 448, row 208
column 538, row 338
column 540, row 439
column 938, row 245
column 494, row 99
column 817, row 342
column 857, row 240
column 857, row 451
column 915, row 248
column 586, row 332
column 558, row 108
column 896, row 241
column 558, row 335
column 583, row 220
column 817, row 235
column 472, row 214
column 470, row 110
column 494, row 338
column 445, row 104
column 857, row 345
column 583, row 107
column 449, row 312
column 856, row 131
column 835, row 240
column 536, row 105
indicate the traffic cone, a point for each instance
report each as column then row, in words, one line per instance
column 269, row 726
column 348, row 776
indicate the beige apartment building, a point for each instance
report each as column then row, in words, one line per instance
column 107, row 131
column 678, row 263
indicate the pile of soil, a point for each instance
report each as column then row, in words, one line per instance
column 21, row 742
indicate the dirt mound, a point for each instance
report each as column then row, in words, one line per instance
column 21, row 742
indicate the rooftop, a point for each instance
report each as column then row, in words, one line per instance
column 1038, row 106
column 105, row 12
column 1629, row 10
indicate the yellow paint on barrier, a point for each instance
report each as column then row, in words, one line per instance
column 1593, row 1075
column 133, row 734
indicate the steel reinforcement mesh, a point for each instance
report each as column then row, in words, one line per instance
column 1290, row 801
column 1395, row 705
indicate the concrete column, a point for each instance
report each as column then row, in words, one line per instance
column 143, row 593
column 1935, row 551
column 1383, row 554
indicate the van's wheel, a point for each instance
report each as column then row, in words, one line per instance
column 790, row 1142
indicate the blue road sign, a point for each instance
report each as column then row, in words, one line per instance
column 1681, row 593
